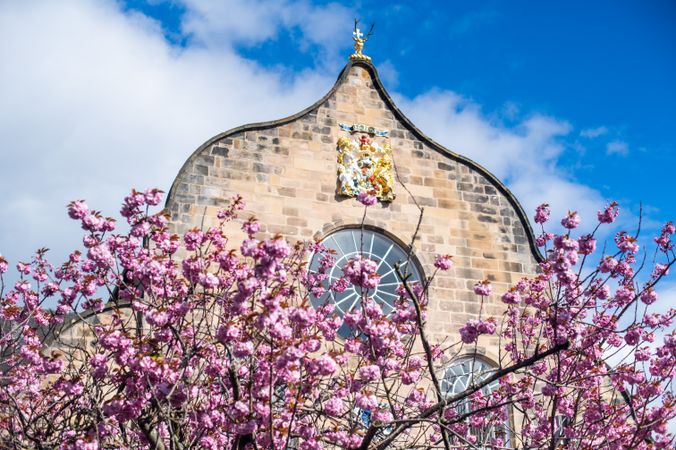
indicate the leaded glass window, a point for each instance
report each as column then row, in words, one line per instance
column 349, row 243
column 461, row 375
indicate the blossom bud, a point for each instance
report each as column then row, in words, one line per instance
column 443, row 262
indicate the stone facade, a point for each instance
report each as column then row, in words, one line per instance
column 286, row 172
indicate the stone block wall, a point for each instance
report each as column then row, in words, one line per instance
column 286, row 172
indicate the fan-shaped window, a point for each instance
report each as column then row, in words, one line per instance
column 349, row 243
column 459, row 376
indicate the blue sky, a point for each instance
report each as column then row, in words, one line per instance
column 605, row 67
column 571, row 103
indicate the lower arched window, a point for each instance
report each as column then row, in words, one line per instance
column 458, row 377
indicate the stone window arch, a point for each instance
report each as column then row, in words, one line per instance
column 374, row 243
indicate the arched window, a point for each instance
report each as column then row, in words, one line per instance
column 348, row 243
column 458, row 377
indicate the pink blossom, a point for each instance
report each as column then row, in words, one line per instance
column 486, row 327
column 326, row 365
column 587, row 244
column 649, row 296
column 566, row 243
column 416, row 397
column 542, row 239
column 340, row 285
column 660, row 270
column 609, row 214
column 193, row 239
column 243, row 349
column 23, row 268
column 228, row 333
column 469, row 332
column 276, row 248
column 602, row 292
column 415, row 362
column 369, row 373
column 572, row 220
column 101, row 255
column 362, row 272
column 82, row 444
column 664, row 239
column 542, row 213
column 235, row 349
column 93, row 222
column 251, row 227
column 511, row 297
column 632, row 336
column 409, row 377
column 483, row 288
column 153, row 197
column 550, row 390
column 208, row 280
column 78, row 209
column 236, row 204
column 626, row 243
column 366, row 198
column 624, row 295
column 382, row 415
column 334, row 406
column 473, row 328
column 158, row 318
column 366, row 401
column 608, row 264
column 642, row 354
column 443, row 262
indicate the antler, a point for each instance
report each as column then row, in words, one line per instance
column 370, row 32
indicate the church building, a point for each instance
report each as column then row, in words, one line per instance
column 307, row 178
column 301, row 176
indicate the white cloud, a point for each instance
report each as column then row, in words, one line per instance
column 594, row 132
column 617, row 148
column 388, row 74
column 95, row 101
column 524, row 155
column 222, row 23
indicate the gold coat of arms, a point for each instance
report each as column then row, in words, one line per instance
column 365, row 166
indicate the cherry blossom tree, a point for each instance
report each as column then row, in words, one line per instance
column 153, row 340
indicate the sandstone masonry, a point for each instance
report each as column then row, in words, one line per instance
column 286, row 172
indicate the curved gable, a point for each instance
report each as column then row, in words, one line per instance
column 378, row 86
column 286, row 170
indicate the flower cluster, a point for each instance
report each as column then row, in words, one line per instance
column 443, row 262
column 367, row 198
column 483, row 288
column 216, row 344
column 362, row 272
column 473, row 328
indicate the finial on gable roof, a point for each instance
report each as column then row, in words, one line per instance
column 359, row 41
